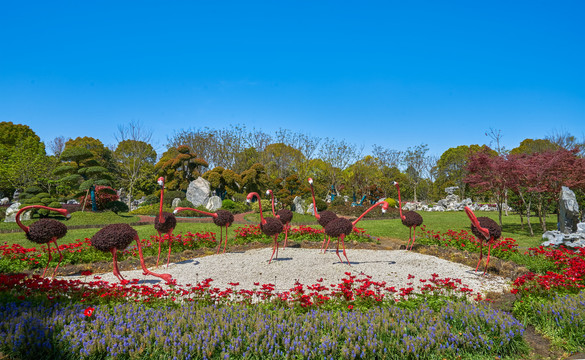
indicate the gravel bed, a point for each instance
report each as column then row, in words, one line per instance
column 309, row 265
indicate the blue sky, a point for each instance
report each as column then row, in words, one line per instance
column 392, row 73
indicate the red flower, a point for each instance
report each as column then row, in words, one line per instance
column 86, row 272
column 88, row 312
column 350, row 307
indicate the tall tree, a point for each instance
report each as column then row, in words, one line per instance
column 415, row 160
column 281, row 160
column 338, row 154
column 57, row 145
column 180, row 166
column 451, row 167
column 133, row 154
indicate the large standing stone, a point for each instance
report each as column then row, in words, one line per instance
column 198, row 191
column 310, row 209
column 299, row 204
column 175, row 202
column 11, row 213
column 213, row 204
column 568, row 211
column 4, row 201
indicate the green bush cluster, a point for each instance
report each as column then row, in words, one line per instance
column 266, row 206
column 235, row 207
column 117, row 206
column 151, row 210
column 34, row 195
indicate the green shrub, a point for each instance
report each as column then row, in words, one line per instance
column 151, row 199
column 191, row 213
column 33, row 190
column 43, row 195
column 338, row 201
column 235, row 207
column 117, row 206
column 185, row 203
column 321, row 205
column 169, row 196
column 266, row 206
column 151, row 210
column 239, row 198
column 2, row 213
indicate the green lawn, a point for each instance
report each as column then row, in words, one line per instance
column 391, row 228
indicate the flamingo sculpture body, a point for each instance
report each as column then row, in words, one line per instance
column 284, row 215
column 271, row 226
column 485, row 229
column 341, row 227
column 323, row 218
column 221, row 218
column 45, row 231
column 164, row 223
column 116, row 237
column 409, row 219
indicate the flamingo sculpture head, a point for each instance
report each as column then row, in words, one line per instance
column 161, row 181
column 311, row 181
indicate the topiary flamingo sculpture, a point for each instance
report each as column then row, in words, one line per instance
column 341, row 227
column 164, row 223
column 116, row 237
column 485, row 229
column 323, row 218
column 284, row 215
column 271, row 226
column 221, row 218
column 45, row 231
column 410, row 219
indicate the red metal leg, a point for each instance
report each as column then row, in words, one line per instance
column 60, row 258
column 274, row 248
column 413, row 237
column 480, row 254
column 323, row 245
column 285, row 234
column 160, row 240
column 170, row 244
column 116, row 270
column 226, row 236
column 49, row 261
column 488, row 258
column 337, row 251
column 343, row 244
column 145, row 271
column 220, row 239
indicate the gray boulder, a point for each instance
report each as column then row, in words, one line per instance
column 568, row 211
column 72, row 202
column 214, row 203
column 4, row 201
column 11, row 213
column 310, row 209
column 299, row 205
column 198, row 192
column 175, row 202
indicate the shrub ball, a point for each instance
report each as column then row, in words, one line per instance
column 493, row 227
column 224, row 218
column 412, row 218
column 325, row 217
column 44, row 230
column 117, row 236
column 285, row 215
column 338, row 227
column 170, row 221
column 272, row 226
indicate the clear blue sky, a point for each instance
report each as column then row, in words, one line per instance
column 392, row 73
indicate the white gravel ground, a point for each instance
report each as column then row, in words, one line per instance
column 308, row 265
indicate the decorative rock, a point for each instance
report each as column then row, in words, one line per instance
column 214, row 203
column 198, row 191
column 16, row 195
column 4, row 201
column 450, row 190
column 72, row 202
column 175, row 202
column 299, row 205
column 568, row 211
column 310, row 209
column 11, row 213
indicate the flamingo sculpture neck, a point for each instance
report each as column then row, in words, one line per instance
column 271, row 194
column 26, row 229
column 314, row 204
column 161, row 182
column 384, row 208
column 485, row 232
column 399, row 201
column 178, row 209
column 249, row 199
